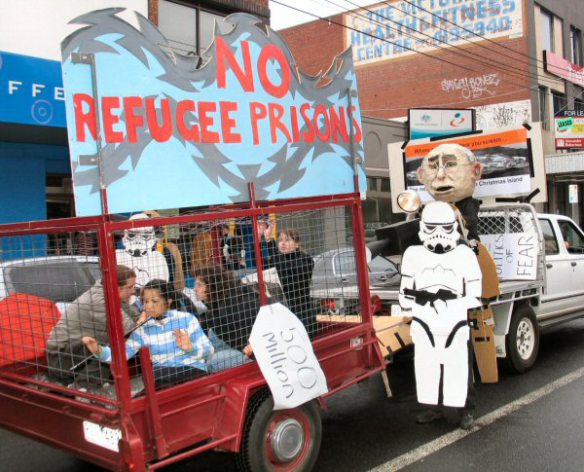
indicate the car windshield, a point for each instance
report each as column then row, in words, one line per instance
column 381, row 264
column 345, row 263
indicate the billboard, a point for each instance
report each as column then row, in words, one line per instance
column 569, row 126
column 557, row 65
column 432, row 122
column 32, row 91
column 400, row 28
column 512, row 161
column 159, row 130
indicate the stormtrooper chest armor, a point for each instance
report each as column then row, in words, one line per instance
column 436, row 271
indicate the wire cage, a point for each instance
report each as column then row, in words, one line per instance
column 187, row 287
column 518, row 221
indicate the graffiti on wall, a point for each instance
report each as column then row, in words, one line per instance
column 472, row 87
column 501, row 115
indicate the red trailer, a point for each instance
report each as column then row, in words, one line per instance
column 120, row 426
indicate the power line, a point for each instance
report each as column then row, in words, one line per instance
column 473, row 33
column 450, row 48
column 330, row 21
column 537, row 76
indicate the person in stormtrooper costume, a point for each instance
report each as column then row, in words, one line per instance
column 140, row 253
column 441, row 280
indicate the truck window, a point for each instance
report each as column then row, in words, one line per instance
column 549, row 237
column 572, row 237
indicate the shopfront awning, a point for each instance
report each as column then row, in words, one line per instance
column 568, row 163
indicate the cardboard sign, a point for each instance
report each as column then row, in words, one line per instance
column 515, row 254
column 161, row 130
column 505, row 157
column 284, row 353
column 512, row 159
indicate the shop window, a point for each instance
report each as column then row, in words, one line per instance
column 59, row 198
column 543, row 108
column 370, row 210
column 189, row 29
column 579, row 105
column 560, row 102
column 547, row 30
column 385, row 186
column 576, row 42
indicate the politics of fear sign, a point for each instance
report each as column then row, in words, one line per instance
column 155, row 129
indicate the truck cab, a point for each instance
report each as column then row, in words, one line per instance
column 563, row 292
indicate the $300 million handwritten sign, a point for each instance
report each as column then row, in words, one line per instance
column 285, row 356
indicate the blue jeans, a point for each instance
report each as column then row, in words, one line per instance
column 224, row 356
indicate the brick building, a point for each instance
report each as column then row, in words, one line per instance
column 463, row 54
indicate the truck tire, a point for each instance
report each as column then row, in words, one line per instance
column 279, row 441
column 522, row 340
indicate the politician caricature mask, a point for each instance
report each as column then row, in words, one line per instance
column 449, row 172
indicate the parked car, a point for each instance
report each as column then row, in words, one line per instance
column 494, row 164
column 519, row 162
column 412, row 177
column 60, row 279
column 334, row 279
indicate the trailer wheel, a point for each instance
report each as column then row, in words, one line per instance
column 280, row 441
column 522, row 340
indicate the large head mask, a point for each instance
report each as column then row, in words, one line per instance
column 438, row 228
column 449, row 172
column 139, row 241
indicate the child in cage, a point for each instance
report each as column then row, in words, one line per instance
column 232, row 310
column 294, row 268
column 86, row 316
column 178, row 345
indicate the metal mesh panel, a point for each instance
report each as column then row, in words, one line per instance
column 40, row 281
column 197, row 293
column 517, row 221
column 503, row 220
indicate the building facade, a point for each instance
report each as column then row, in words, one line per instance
column 35, row 181
column 513, row 61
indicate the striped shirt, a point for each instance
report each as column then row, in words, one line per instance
column 160, row 338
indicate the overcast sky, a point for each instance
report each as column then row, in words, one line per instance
column 284, row 17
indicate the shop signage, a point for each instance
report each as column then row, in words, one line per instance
column 563, row 68
column 569, row 129
column 31, row 91
column 170, row 131
column 431, row 122
column 399, row 28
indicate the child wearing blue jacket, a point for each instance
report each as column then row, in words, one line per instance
column 178, row 345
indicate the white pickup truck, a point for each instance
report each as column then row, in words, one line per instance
column 540, row 261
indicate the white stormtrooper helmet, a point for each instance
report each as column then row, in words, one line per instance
column 139, row 241
column 438, row 228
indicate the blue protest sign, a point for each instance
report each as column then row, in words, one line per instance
column 160, row 130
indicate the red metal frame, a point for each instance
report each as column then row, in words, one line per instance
column 166, row 426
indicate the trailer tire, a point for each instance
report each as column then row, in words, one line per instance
column 280, row 441
column 522, row 340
